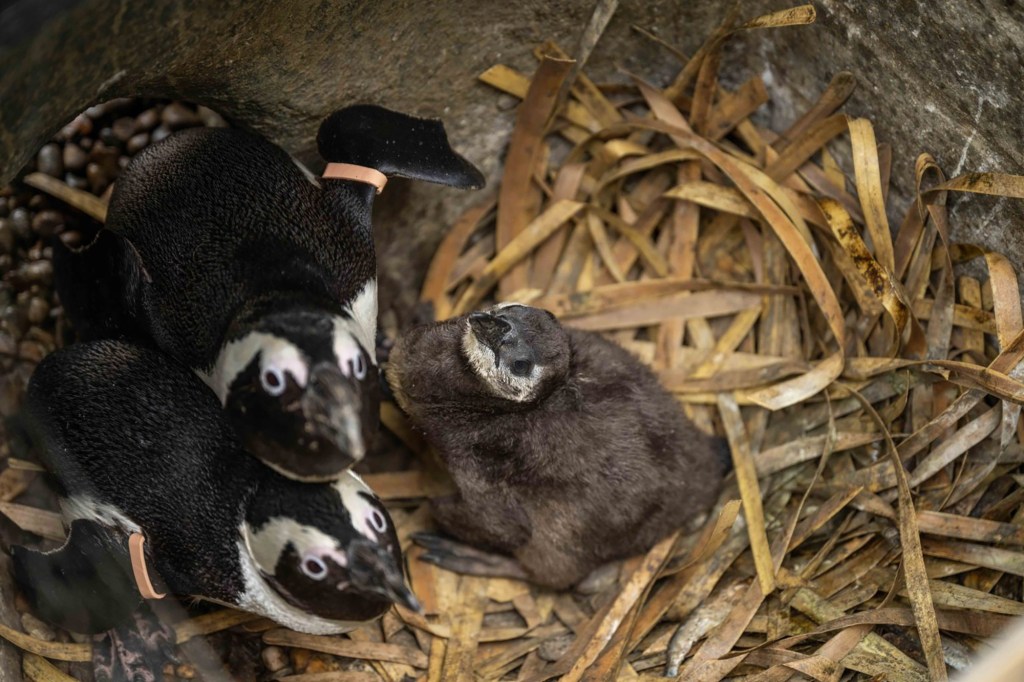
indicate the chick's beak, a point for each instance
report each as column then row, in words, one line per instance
column 373, row 569
column 332, row 407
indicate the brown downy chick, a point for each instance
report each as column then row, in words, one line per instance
column 566, row 451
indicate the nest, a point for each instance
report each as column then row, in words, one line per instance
column 870, row 394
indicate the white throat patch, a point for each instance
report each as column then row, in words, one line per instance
column 362, row 325
column 500, row 382
column 236, row 355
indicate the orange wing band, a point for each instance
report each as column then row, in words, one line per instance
column 350, row 171
column 138, row 556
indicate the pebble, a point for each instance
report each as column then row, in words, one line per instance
column 81, row 125
column 37, row 628
column 11, row 389
column 7, row 344
column 75, row 157
column 108, row 137
column 136, row 143
column 160, row 133
column 317, row 665
column 36, row 272
column 96, row 177
column 274, row 658
column 71, row 238
column 300, row 659
column 147, row 120
column 6, row 235
column 75, row 181
column 50, row 160
column 22, row 223
column 38, row 309
column 210, row 118
column 185, row 671
column 33, row 351
column 123, row 128
column 177, row 116
column 47, row 223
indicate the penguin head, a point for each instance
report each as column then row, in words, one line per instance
column 300, row 387
column 327, row 549
column 518, row 352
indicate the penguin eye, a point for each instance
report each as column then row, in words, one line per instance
column 314, row 568
column 273, row 381
column 522, row 368
column 377, row 521
column 358, row 366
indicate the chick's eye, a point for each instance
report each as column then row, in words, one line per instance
column 273, row 380
column 522, row 368
column 377, row 521
column 314, row 568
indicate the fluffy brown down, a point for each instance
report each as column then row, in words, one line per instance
column 600, row 465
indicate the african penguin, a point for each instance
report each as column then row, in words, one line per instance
column 565, row 450
column 138, row 445
column 220, row 250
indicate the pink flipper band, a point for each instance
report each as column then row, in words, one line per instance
column 350, row 171
column 138, row 556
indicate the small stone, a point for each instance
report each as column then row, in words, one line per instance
column 50, row 160
column 38, row 310
column 81, row 125
column 274, row 658
column 96, row 177
column 71, row 238
column 8, row 346
column 137, row 142
column 160, row 133
column 108, row 137
column 22, row 223
column 210, row 118
column 86, row 143
column 316, row 665
column 147, row 120
column 185, row 671
column 36, row 202
column 47, row 223
column 75, row 181
column 11, row 389
column 123, row 128
column 14, row 321
column 33, row 351
column 300, row 659
column 75, row 157
column 123, row 162
column 176, row 115
column 6, row 235
column 168, row 670
column 37, row 272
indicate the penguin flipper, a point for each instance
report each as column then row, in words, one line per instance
column 395, row 144
column 100, row 287
column 86, row 585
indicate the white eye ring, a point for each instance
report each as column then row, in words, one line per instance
column 377, row 521
column 358, row 365
column 314, row 567
column 273, row 381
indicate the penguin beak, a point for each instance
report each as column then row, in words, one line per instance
column 489, row 329
column 332, row 407
column 373, row 569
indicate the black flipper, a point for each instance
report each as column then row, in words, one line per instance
column 100, row 287
column 85, row 586
column 395, row 144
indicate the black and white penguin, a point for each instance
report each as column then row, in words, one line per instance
column 141, row 453
column 565, row 450
column 222, row 251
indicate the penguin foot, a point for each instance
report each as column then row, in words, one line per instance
column 136, row 652
column 459, row 558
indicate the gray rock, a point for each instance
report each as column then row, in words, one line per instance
column 49, row 160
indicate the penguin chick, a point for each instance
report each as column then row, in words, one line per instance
column 222, row 251
column 565, row 450
column 137, row 444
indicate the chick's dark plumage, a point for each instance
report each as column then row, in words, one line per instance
column 565, row 449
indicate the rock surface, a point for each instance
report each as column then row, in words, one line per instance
column 938, row 76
